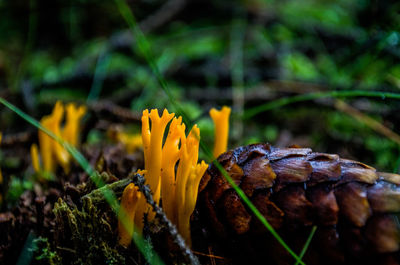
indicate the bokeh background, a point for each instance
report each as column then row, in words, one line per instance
column 212, row 53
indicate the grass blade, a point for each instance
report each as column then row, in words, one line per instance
column 145, row 49
column 99, row 74
column 249, row 113
column 367, row 120
column 307, row 244
column 26, row 255
column 32, row 26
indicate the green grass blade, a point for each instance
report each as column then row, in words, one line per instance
column 99, row 74
column 249, row 113
column 26, row 255
column 144, row 47
column 143, row 246
column 307, row 244
column 32, row 26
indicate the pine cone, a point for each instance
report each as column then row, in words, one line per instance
column 354, row 207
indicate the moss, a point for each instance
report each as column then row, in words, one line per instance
column 86, row 236
column 44, row 253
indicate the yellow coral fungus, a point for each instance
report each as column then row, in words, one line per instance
column 126, row 215
column 178, row 189
column 221, row 124
column 51, row 152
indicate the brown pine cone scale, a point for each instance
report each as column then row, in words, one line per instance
column 355, row 208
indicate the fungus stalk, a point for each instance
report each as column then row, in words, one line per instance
column 190, row 200
column 126, row 215
column 170, row 156
column 221, row 124
column 188, row 178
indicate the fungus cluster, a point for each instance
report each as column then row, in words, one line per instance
column 52, row 153
column 171, row 171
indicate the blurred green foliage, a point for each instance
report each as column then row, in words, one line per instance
column 82, row 51
column 16, row 187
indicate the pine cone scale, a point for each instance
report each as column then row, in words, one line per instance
column 353, row 203
column 384, row 197
column 356, row 171
column 289, row 170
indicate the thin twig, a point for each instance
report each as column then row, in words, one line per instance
column 237, row 74
column 208, row 255
column 370, row 122
column 145, row 189
column 125, row 114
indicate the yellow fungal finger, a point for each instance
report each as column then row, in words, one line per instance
column 126, row 215
column 74, row 114
column 56, row 118
column 152, row 145
column 194, row 138
column 188, row 160
column 35, row 158
column 198, row 174
column 146, row 136
column 45, row 144
column 221, row 124
column 190, row 200
column 182, row 174
column 170, row 156
column 158, row 125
